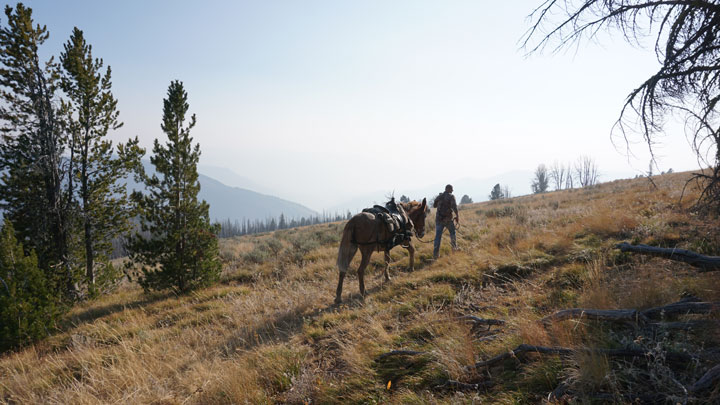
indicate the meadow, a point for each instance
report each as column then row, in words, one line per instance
column 269, row 332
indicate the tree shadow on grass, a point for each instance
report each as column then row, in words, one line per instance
column 285, row 324
column 94, row 313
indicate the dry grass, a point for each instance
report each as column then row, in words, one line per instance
column 270, row 334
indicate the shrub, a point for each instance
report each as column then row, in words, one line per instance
column 28, row 310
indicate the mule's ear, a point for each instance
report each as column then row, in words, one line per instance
column 424, row 203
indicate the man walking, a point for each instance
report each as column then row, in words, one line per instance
column 446, row 205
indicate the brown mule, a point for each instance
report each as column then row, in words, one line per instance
column 368, row 233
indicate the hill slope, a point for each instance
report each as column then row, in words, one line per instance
column 269, row 332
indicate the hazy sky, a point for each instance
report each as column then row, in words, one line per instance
column 323, row 100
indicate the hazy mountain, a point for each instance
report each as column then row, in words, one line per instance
column 230, row 178
column 237, row 203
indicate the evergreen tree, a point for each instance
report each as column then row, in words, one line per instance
column 31, row 183
column 466, row 199
column 182, row 250
column 496, row 193
column 27, row 306
column 91, row 113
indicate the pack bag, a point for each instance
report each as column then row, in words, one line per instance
column 396, row 221
column 443, row 202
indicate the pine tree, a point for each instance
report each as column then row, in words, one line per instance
column 496, row 193
column 27, row 307
column 91, row 113
column 31, row 150
column 182, row 251
column 466, row 199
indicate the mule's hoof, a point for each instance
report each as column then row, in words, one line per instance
column 338, row 301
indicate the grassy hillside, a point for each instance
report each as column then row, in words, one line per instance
column 270, row 334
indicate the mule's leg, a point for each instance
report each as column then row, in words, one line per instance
column 361, row 270
column 338, row 294
column 411, row 252
column 387, row 265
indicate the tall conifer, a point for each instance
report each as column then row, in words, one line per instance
column 31, row 182
column 181, row 252
column 91, row 113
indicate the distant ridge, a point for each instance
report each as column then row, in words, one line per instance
column 238, row 204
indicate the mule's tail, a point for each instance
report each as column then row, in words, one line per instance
column 347, row 248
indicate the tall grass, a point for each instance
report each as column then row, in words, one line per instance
column 269, row 332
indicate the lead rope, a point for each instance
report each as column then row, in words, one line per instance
column 420, row 240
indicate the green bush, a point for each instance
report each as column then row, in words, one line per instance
column 28, row 310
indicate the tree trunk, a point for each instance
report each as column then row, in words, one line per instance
column 87, row 221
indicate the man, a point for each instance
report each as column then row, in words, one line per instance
column 446, row 205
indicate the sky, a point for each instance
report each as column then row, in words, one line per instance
column 318, row 102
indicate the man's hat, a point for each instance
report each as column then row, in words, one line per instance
column 449, row 188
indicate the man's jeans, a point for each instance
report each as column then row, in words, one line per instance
column 439, row 227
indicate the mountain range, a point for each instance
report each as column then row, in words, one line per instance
column 236, row 203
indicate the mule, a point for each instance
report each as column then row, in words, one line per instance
column 366, row 232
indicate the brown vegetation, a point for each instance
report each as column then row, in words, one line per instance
column 269, row 333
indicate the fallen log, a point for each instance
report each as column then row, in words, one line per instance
column 684, row 307
column 559, row 392
column 481, row 321
column 673, row 357
column 709, row 380
column 686, row 325
column 704, row 263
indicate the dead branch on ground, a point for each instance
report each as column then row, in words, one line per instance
column 704, row 263
column 684, row 307
column 709, row 380
column 481, row 321
column 674, row 357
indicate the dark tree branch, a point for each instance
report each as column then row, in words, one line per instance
column 709, row 380
column 673, row 357
column 684, row 307
column 687, row 46
column 705, row 263
column 481, row 321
